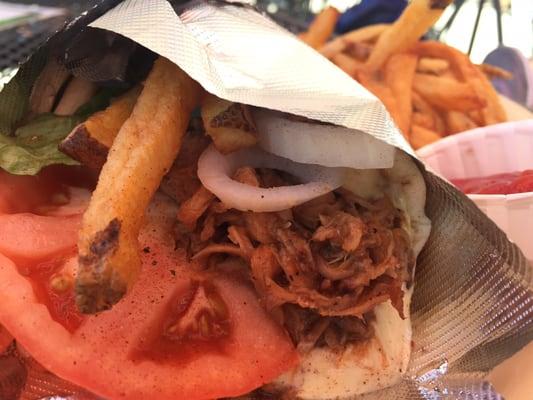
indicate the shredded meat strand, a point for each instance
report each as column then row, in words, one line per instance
column 192, row 209
column 247, row 176
column 341, row 229
column 237, row 235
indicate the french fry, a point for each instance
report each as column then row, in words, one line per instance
column 494, row 112
column 435, row 66
column 366, row 34
column 423, row 107
column 448, row 94
column 90, row 141
column 384, row 93
column 477, row 117
column 347, row 64
column 458, row 122
column 358, row 50
column 492, row 71
column 439, row 93
column 321, row 28
column 230, row 125
column 455, row 58
column 141, row 154
column 423, row 120
column 399, row 73
column 421, row 136
column 416, row 19
column 465, row 71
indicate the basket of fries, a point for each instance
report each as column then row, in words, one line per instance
column 187, row 213
column 430, row 89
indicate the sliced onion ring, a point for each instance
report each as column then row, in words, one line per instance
column 215, row 171
column 315, row 143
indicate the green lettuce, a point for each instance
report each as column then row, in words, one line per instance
column 34, row 145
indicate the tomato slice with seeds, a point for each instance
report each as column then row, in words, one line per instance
column 176, row 335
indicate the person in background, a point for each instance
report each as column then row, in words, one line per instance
column 370, row 12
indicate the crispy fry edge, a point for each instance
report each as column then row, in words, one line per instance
column 141, row 154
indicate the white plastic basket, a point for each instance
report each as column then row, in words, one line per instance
column 495, row 149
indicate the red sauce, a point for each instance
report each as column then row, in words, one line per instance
column 193, row 324
column 60, row 303
column 508, row 183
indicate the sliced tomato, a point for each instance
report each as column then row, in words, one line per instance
column 5, row 339
column 29, row 237
column 118, row 354
column 20, row 194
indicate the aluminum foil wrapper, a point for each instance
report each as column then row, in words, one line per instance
column 472, row 306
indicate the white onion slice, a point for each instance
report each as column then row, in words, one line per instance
column 327, row 145
column 215, row 171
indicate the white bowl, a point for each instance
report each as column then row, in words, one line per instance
column 495, row 149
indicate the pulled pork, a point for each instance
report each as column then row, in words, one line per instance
column 320, row 268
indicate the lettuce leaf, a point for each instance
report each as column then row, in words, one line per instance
column 33, row 146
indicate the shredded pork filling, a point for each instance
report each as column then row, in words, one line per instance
column 319, row 268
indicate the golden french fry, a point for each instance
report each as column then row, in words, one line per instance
column 435, row 66
column 347, row 64
column 465, row 71
column 477, row 117
column 321, row 28
column 384, row 93
column 399, row 73
column 494, row 113
column 458, row 122
column 492, row 71
column 141, row 154
column 367, row 34
column 230, row 125
column 90, row 141
column 423, row 107
column 358, row 50
column 421, row 136
column 448, row 94
column 416, row 19
column 423, row 120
